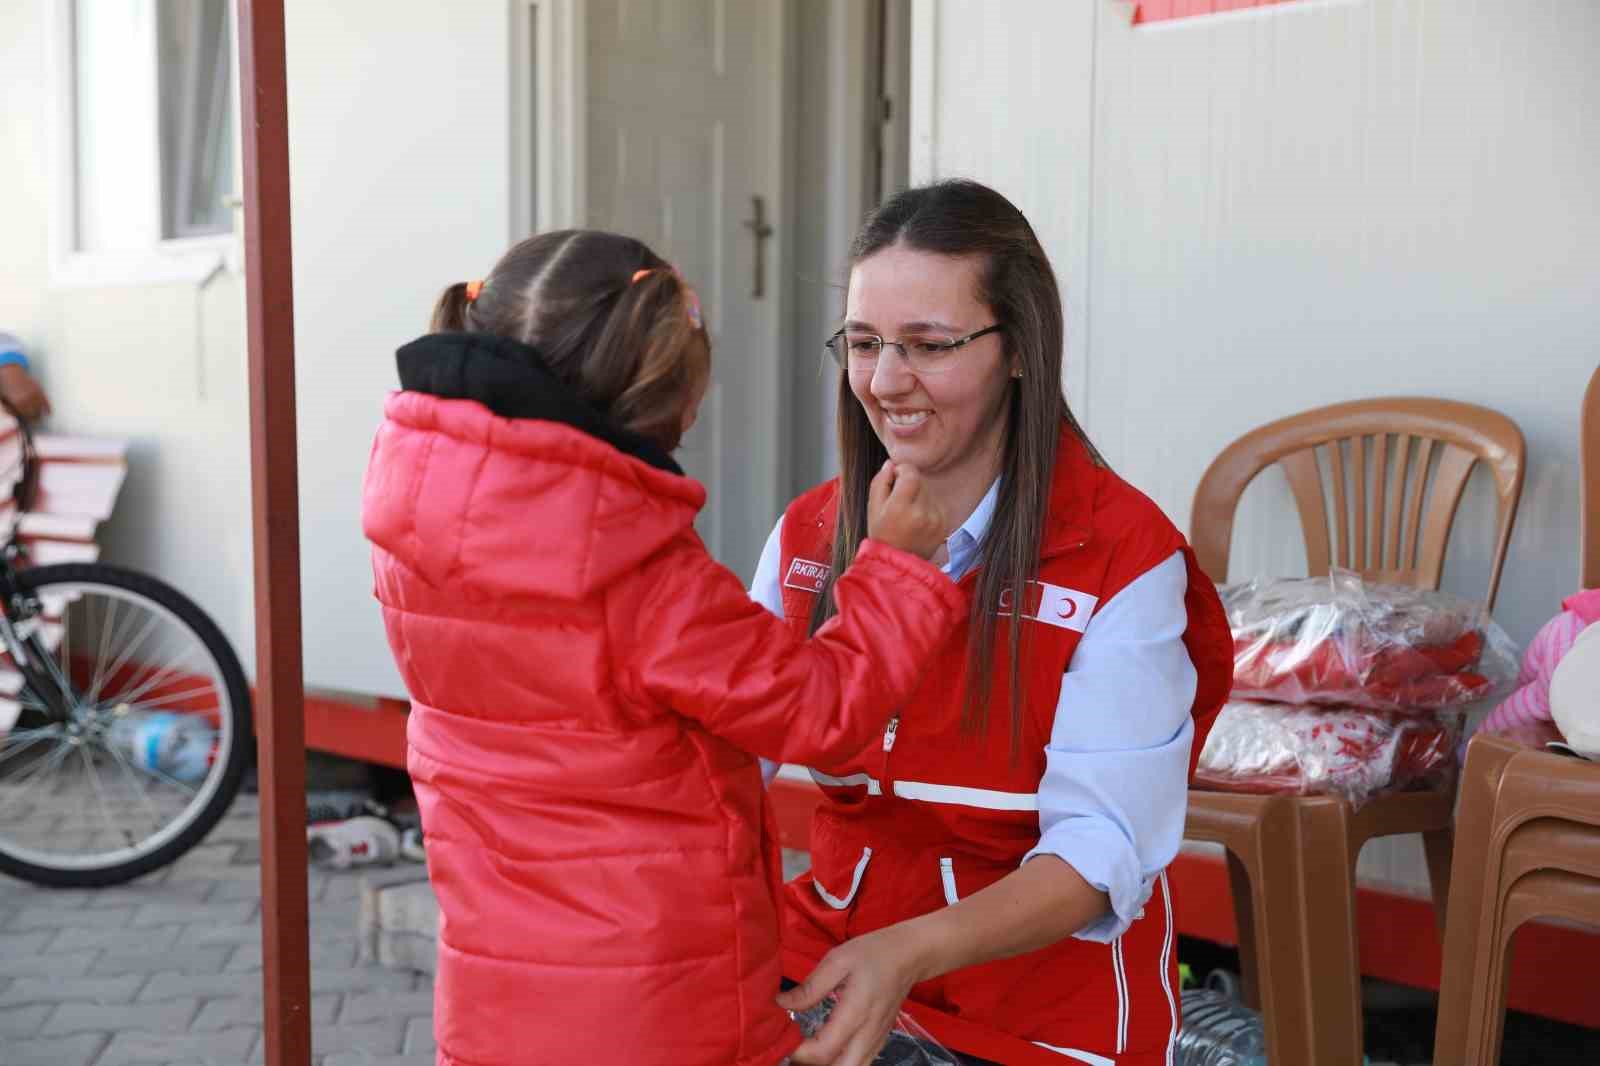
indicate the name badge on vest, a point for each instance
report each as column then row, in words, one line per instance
column 1055, row 605
column 806, row 575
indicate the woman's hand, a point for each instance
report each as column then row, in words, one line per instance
column 902, row 513
column 871, row 975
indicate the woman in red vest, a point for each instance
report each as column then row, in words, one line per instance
column 998, row 854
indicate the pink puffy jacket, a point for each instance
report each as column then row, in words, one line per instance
column 587, row 685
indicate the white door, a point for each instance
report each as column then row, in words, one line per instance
column 684, row 135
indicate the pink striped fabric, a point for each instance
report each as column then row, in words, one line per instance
column 1530, row 703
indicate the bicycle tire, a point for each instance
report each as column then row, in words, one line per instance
column 198, row 818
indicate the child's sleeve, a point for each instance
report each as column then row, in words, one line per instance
column 699, row 645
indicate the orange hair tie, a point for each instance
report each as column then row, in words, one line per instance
column 473, row 289
column 691, row 297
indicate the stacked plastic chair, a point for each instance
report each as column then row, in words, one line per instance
column 1527, row 841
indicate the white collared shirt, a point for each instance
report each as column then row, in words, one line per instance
column 1115, row 788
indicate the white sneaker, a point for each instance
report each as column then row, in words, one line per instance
column 359, row 841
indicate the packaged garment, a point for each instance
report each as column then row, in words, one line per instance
column 909, row 1043
column 1343, row 641
column 1352, row 752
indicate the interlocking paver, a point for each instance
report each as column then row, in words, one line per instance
column 171, row 1016
column 141, row 1049
column 23, row 1021
column 246, row 1010
column 51, row 915
column 82, row 938
column 365, row 1006
column 230, row 913
column 419, row 1035
column 48, row 965
column 180, row 985
column 73, row 990
column 191, row 959
column 80, row 1050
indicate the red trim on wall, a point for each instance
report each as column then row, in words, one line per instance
column 372, row 729
column 1164, row 10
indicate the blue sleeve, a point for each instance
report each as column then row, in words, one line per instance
column 1115, row 789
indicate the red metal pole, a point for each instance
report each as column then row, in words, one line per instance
column 274, row 481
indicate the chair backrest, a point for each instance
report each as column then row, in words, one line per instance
column 1391, row 511
column 1589, row 485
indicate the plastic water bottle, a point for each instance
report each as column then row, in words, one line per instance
column 178, row 745
column 1219, row 1031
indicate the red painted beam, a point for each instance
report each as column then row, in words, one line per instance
column 274, row 484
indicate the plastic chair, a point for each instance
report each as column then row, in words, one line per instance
column 1528, row 846
column 1292, row 860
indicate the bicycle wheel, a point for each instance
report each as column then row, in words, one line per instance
column 139, row 746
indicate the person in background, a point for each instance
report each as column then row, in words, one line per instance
column 18, row 387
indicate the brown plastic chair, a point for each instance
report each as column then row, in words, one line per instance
column 1528, row 846
column 1589, row 484
column 1396, row 470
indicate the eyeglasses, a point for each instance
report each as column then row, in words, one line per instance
column 924, row 353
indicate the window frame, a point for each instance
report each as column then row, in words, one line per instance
column 159, row 259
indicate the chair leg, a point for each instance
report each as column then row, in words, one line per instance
column 1244, row 921
column 1331, row 965
column 1275, row 933
column 1486, row 1023
column 1471, row 933
column 1439, row 846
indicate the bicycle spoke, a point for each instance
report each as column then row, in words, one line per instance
column 100, row 796
column 140, row 787
column 133, row 646
column 165, row 702
column 37, row 736
column 160, row 775
column 37, row 773
column 100, row 657
column 132, row 698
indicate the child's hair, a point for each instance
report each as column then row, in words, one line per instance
column 634, row 349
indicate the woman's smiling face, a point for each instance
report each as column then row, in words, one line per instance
column 948, row 424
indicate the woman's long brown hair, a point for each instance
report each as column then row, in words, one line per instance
column 959, row 219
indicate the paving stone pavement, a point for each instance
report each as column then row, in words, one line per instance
column 167, row 971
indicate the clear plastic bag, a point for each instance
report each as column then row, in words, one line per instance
column 1342, row 751
column 909, row 1043
column 1340, row 640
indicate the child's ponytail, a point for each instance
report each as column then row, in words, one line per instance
column 450, row 312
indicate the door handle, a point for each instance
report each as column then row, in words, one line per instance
column 760, row 230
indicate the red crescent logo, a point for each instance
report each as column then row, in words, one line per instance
column 1072, row 609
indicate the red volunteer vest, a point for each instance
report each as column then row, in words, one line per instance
column 931, row 814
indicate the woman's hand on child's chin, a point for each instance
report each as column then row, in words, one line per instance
column 901, row 511
column 872, row 975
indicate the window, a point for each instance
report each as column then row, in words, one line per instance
column 147, row 157
column 195, row 88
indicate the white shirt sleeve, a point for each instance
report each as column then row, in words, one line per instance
column 767, row 590
column 1115, row 789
